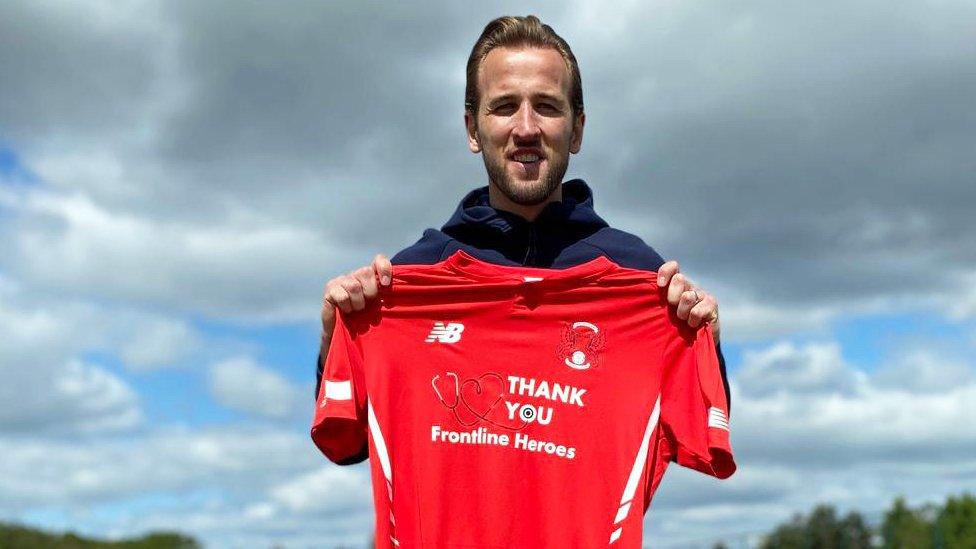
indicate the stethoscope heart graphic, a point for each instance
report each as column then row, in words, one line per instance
column 455, row 393
column 472, row 400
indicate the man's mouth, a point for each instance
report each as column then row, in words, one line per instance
column 526, row 157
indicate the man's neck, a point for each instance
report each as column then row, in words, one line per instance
column 499, row 201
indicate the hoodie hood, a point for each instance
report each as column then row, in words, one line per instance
column 538, row 242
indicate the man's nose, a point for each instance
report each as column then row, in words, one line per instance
column 526, row 123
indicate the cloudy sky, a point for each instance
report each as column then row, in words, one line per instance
column 178, row 180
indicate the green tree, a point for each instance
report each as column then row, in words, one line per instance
column 160, row 540
column 905, row 528
column 13, row 536
column 822, row 529
column 853, row 532
column 787, row 536
column 956, row 524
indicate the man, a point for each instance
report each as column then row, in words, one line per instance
column 524, row 114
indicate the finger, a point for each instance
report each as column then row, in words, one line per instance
column 383, row 268
column 328, row 309
column 705, row 311
column 326, row 297
column 679, row 284
column 355, row 290
column 686, row 303
column 367, row 279
column 340, row 297
column 665, row 273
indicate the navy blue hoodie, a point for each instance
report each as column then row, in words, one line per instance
column 566, row 233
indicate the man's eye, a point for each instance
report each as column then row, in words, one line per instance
column 548, row 108
column 503, row 108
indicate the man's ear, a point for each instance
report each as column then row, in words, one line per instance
column 470, row 125
column 576, row 141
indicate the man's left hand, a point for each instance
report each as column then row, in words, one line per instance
column 694, row 304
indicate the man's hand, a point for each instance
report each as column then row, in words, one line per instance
column 694, row 304
column 350, row 292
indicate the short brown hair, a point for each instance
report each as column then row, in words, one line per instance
column 515, row 32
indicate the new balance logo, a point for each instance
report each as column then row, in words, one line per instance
column 445, row 333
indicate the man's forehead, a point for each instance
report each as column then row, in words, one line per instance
column 505, row 70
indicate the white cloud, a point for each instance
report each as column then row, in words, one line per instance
column 806, row 405
column 328, row 489
column 235, row 461
column 50, row 385
column 784, row 368
column 692, row 510
column 242, row 384
column 924, row 371
column 70, row 397
column 223, row 524
column 232, row 486
column 751, row 319
column 962, row 304
column 158, row 343
column 46, row 388
column 808, row 427
column 233, row 269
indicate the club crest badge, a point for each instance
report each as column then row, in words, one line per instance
column 581, row 345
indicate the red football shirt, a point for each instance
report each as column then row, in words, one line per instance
column 520, row 407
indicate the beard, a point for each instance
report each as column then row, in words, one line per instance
column 526, row 193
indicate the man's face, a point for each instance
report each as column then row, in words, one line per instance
column 525, row 127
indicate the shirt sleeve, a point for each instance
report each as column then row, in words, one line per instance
column 694, row 408
column 340, row 424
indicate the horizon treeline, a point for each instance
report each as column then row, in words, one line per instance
column 951, row 525
column 16, row 536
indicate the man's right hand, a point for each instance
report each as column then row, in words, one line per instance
column 350, row 292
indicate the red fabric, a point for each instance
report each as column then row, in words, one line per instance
column 534, row 424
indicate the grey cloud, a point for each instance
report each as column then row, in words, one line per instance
column 809, row 157
column 785, row 369
column 66, row 243
column 74, row 69
column 925, row 372
column 813, row 158
column 684, row 488
column 801, row 156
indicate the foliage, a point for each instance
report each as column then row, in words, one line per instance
column 821, row 530
column 21, row 537
column 950, row 526
column 905, row 528
column 956, row 524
